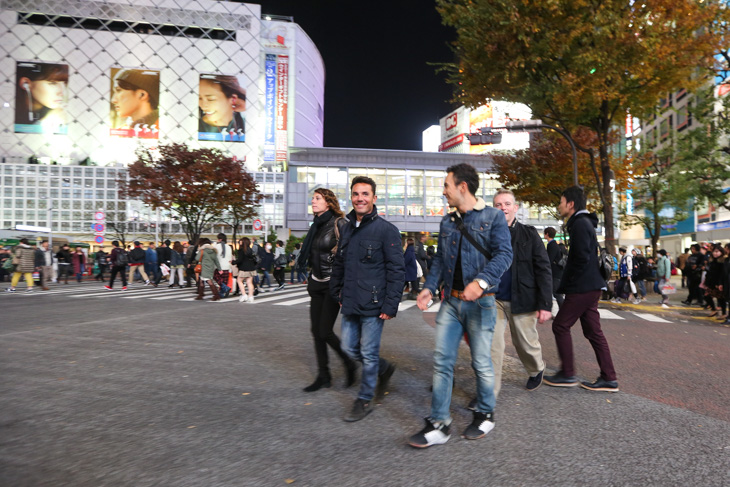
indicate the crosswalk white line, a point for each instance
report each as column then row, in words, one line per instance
column 608, row 315
column 651, row 317
column 434, row 308
column 293, row 302
column 404, row 305
column 258, row 299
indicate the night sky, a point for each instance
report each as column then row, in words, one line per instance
column 380, row 93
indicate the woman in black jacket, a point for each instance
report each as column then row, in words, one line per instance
column 318, row 253
column 714, row 280
column 246, row 263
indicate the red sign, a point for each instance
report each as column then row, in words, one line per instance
column 452, row 121
column 451, row 142
column 257, row 225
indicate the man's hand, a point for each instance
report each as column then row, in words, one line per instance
column 543, row 316
column 472, row 292
column 383, row 316
column 423, row 298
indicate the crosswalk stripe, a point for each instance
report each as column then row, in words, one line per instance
column 258, row 299
column 608, row 315
column 651, row 317
column 292, row 303
column 405, row 305
column 434, row 308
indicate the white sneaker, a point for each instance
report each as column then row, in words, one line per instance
column 243, row 298
column 664, row 305
column 250, row 299
column 432, row 434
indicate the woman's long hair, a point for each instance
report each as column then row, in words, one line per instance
column 245, row 244
column 177, row 247
column 332, row 201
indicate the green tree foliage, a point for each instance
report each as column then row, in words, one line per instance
column 701, row 156
column 198, row 185
column 582, row 63
column 657, row 202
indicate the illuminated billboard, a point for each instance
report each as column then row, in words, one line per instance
column 221, row 103
column 134, row 102
column 40, row 98
column 457, row 125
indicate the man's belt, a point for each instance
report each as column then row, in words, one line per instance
column 460, row 294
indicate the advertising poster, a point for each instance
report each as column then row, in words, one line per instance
column 40, row 98
column 221, row 103
column 282, row 101
column 270, row 108
column 135, row 98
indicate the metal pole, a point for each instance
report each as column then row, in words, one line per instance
column 50, row 229
column 157, row 226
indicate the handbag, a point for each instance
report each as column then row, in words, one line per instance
column 668, row 289
column 198, row 269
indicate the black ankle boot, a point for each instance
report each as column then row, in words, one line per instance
column 350, row 372
column 318, row 383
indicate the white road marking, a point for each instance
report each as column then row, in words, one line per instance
column 608, row 315
column 651, row 317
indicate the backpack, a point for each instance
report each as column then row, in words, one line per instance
column 256, row 254
column 122, row 258
column 642, row 271
column 563, row 259
column 605, row 264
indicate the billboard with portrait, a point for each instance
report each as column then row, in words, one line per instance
column 221, row 107
column 135, row 99
column 41, row 93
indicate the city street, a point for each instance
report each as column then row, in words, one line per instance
column 149, row 387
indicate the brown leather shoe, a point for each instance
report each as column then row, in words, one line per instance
column 45, row 288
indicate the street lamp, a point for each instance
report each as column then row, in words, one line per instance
column 538, row 125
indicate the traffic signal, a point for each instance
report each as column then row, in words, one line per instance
column 485, row 138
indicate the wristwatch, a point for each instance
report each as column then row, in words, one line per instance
column 482, row 284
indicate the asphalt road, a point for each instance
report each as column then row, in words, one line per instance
column 148, row 388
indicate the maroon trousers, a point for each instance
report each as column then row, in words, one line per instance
column 583, row 306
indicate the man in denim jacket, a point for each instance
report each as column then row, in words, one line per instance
column 470, row 280
column 368, row 274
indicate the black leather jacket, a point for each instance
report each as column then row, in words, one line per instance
column 321, row 257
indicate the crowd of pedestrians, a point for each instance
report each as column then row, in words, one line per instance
column 490, row 271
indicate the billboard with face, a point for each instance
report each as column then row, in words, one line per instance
column 40, row 98
column 221, row 104
column 135, row 98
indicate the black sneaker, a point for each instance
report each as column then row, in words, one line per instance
column 384, row 378
column 559, row 380
column 534, row 382
column 360, row 409
column 600, row 385
column 472, row 405
column 482, row 424
column 431, row 434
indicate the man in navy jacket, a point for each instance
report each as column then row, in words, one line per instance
column 581, row 284
column 367, row 279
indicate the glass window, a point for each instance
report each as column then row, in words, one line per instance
column 55, row 183
column 42, row 182
column 8, row 203
column 76, row 205
column 8, row 170
column 279, row 177
column 99, row 194
column 89, row 172
column 8, row 191
column 43, row 193
column 99, row 183
column 110, row 195
column 77, row 182
column 89, row 194
column 65, row 215
column 396, row 191
column 30, row 215
column 29, row 181
column 65, row 171
column 8, row 214
column 77, row 172
column 42, row 203
column 100, row 172
column 54, row 170
column 8, row 180
column 76, row 215
column 88, row 183
column 88, row 205
column 111, row 183
column 30, row 203
column 19, row 215
column 65, row 226
column 76, row 227
column 30, row 193
column 76, row 194
column 269, row 177
column 66, row 194
column 19, row 181
column 20, row 192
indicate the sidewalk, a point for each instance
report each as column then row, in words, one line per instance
column 676, row 308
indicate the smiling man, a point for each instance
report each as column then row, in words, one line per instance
column 470, row 269
column 524, row 296
column 367, row 279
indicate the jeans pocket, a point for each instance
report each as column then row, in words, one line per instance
column 487, row 302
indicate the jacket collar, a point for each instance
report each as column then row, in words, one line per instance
column 479, row 206
column 352, row 217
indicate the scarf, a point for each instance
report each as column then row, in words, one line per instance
column 319, row 222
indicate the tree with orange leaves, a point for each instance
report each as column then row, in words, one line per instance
column 198, row 185
column 583, row 63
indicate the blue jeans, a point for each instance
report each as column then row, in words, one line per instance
column 265, row 278
column 361, row 341
column 477, row 319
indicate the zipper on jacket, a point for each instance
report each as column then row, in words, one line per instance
column 375, row 295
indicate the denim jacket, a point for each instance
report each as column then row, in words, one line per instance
column 488, row 227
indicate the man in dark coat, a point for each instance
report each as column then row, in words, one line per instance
column 367, row 280
column 524, row 296
column 582, row 284
column 555, row 254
